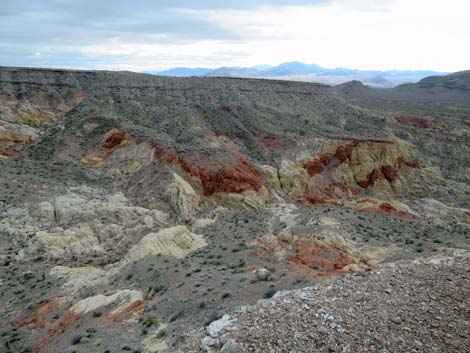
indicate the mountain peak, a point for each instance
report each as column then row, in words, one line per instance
column 299, row 71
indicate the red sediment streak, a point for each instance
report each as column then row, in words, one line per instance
column 69, row 318
column 366, row 201
column 364, row 183
column 37, row 319
column 318, row 165
column 10, row 154
column 159, row 153
column 138, row 305
column 390, row 173
column 387, row 172
column 387, row 208
column 326, row 159
column 412, row 164
column 319, row 259
column 114, row 140
column 419, row 122
column 344, row 153
column 314, row 167
column 232, row 179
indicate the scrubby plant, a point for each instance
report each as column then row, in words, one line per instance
column 269, row 293
column 150, row 321
column 161, row 333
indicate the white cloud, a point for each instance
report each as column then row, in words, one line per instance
column 363, row 34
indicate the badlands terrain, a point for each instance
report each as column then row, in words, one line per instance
column 159, row 214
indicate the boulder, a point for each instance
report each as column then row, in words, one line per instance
column 216, row 328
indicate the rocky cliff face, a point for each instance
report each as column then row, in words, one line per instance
column 134, row 196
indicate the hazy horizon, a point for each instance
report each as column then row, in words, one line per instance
column 146, row 35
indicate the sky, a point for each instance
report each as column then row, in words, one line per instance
column 153, row 35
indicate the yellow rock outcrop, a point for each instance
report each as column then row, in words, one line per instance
column 246, row 200
column 175, row 241
column 182, row 197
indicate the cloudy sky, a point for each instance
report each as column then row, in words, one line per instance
column 151, row 35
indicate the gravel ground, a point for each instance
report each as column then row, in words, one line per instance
column 422, row 306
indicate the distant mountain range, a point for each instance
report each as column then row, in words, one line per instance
column 297, row 71
column 453, row 91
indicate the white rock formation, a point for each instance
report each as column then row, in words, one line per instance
column 82, row 222
column 175, row 241
column 201, row 224
column 120, row 301
column 182, row 197
column 79, row 278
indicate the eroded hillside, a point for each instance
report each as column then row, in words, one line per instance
column 136, row 208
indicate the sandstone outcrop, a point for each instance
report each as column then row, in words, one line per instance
column 182, row 198
column 77, row 278
column 439, row 213
column 12, row 134
column 419, row 122
column 175, row 241
column 234, row 177
column 92, row 160
column 119, row 301
column 83, row 222
column 293, row 178
column 382, row 206
column 201, row 223
column 246, row 200
column 114, row 140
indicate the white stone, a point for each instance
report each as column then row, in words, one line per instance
column 217, row 327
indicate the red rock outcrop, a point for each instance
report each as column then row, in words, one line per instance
column 390, row 173
column 326, row 159
column 366, row 201
column 319, row 259
column 38, row 318
column 138, row 305
column 68, row 320
column 114, row 140
column 419, row 122
column 10, row 154
column 238, row 176
column 241, row 176
column 325, row 194
column 411, row 164
column 384, row 208
column 318, row 165
column 314, row 167
column 344, row 153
